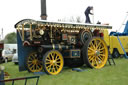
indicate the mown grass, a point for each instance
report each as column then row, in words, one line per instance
column 109, row 75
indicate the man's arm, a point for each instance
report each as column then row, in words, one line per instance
column 90, row 8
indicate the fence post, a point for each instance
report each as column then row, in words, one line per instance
column 2, row 75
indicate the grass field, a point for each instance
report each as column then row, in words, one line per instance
column 109, row 75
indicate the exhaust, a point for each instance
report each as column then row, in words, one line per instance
column 43, row 10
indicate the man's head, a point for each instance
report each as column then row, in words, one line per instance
column 91, row 7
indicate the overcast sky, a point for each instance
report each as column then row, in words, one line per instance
column 106, row 11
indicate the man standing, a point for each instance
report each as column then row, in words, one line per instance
column 87, row 12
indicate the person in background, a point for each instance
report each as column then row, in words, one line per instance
column 87, row 12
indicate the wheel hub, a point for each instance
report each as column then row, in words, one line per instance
column 53, row 62
column 97, row 53
column 34, row 61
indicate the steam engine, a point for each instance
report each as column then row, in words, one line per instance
column 53, row 39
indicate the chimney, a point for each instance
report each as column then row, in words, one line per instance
column 43, row 10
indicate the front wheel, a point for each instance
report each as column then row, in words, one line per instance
column 53, row 62
column 95, row 53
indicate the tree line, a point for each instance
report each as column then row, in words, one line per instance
column 10, row 38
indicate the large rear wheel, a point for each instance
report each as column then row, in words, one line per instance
column 95, row 53
column 53, row 62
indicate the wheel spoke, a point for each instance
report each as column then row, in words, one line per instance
column 98, row 58
column 101, row 48
column 57, row 66
column 89, row 48
column 40, row 65
column 47, row 59
column 29, row 61
column 37, row 67
column 54, row 68
column 33, row 57
column 102, row 55
column 89, row 51
column 98, row 45
column 48, row 63
column 93, row 62
column 96, row 63
column 92, row 45
column 30, row 64
column 101, row 51
column 50, row 57
column 58, row 62
column 91, row 58
column 39, row 62
column 49, row 66
column 92, row 53
column 95, row 43
column 58, row 59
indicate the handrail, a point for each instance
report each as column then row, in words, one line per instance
column 22, row 78
column 122, row 47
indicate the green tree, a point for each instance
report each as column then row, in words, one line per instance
column 10, row 38
column 1, row 41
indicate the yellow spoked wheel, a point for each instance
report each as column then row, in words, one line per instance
column 95, row 53
column 53, row 62
column 34, row 63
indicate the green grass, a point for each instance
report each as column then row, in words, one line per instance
column 109, row 75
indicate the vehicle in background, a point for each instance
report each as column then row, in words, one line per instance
column 9, row 51
column 15, row 58
column 117, row 42
column 1, row 49
column 7, row 55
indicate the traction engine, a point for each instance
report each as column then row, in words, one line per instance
column 48, row 46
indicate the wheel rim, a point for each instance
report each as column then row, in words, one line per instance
column 34, row 64
column 54, row 62
column 97, row 53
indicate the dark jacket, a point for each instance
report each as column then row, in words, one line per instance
column 87, row 11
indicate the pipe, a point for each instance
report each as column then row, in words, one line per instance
column 43, row 10
column 57, row 47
